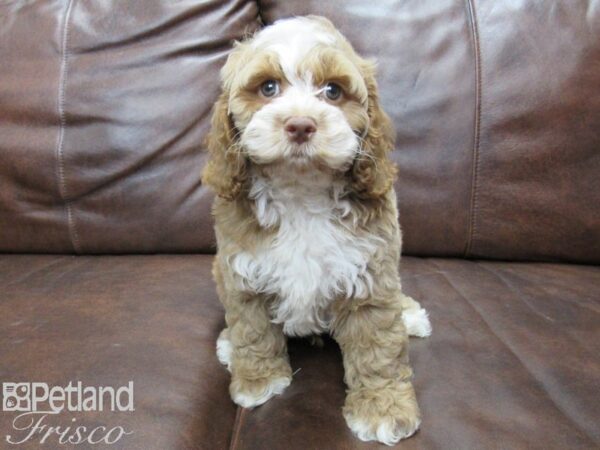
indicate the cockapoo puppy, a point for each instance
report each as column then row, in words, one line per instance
column 306, row 223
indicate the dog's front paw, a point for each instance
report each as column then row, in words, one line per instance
column 416, row 322
column 385, row 415
column 251, row 393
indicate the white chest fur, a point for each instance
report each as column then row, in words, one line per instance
column 311, row 260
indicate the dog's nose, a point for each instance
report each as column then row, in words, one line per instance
column 300, row 129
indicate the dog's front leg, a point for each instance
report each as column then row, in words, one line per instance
column 380, row 402
column 254, row 350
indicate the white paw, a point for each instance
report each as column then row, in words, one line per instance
column 388, row 432
column 416, row 322
column 224, row 350
column 275, row 387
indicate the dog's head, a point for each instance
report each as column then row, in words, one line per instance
column 296, row 96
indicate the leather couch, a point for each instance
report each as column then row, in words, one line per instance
column 106, row 234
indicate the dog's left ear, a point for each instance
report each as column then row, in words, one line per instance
column 373, row 172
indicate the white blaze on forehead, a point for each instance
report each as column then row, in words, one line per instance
column 292, row 40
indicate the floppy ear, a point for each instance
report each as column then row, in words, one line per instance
column 373, row 172
column 226, row 170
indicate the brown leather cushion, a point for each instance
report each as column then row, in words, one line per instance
column 106, row 321
column 513, row 361
column 103, row 109
column 496, row 106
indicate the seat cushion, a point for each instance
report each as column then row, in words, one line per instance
column 513, row 361
column 106, row 321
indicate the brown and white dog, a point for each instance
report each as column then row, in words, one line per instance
column 306, row 223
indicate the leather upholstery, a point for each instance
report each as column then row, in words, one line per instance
column 103, row 108
column 512, row 362
column 495, row 103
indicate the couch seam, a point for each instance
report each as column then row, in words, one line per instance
column 237, row 425
column 61, row 178
column 473, row 207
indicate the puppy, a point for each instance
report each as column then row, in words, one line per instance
column 306, row 223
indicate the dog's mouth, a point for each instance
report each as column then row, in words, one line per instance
column 312, row 154
column 301, row 151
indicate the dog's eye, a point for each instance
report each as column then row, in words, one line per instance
column 333, row 91
column 269, row 88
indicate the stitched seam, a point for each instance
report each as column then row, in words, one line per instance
column 62, row 182
column 237, row 425
column 476, row 128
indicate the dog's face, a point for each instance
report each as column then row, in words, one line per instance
column 297, row 95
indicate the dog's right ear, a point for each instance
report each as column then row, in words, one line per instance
column 226, row 170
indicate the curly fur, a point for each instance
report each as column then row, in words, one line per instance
column 226, row 168
column 310, row 244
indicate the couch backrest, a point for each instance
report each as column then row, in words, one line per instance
column 103, row 107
